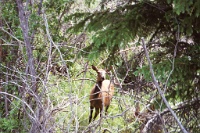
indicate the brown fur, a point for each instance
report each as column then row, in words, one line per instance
column 101, row 94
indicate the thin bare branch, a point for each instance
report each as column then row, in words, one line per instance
column 159, row 89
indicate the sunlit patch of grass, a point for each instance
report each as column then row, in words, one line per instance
column 74, row 97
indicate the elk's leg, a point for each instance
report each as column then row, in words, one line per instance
column 101, row 112
column 96, row 113
column 106, row 111
column 91, row 111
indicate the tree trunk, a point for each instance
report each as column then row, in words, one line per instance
column 23, row 17
column 30, row 71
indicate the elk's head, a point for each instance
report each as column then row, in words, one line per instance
column 101, row 73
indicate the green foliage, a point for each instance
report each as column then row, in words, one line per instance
column 55, row 19
column 11, row 123
column 182, row 6
column 109, row 31
column 8, row 124
column 89, row 2
column 10, row 15
column 34, row 21
column 189, row 7
column 113, row 29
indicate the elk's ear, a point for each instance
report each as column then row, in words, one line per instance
column 94, row 68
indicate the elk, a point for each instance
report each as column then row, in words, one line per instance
column 101, row 94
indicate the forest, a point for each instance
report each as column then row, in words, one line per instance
column 54, row 52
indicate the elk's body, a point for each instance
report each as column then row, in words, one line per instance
column 101, row 94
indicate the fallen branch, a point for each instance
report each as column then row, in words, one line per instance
column 150, row 124
column 157, row 117
column 183, row 105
